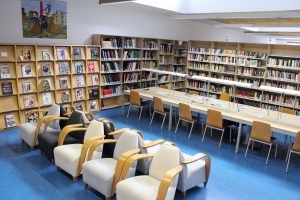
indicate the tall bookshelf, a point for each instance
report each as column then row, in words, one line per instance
column 32, row 78
column 180, row 63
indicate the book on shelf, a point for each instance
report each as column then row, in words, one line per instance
column 95, row 80
column 80, row 81
column 27, row 86
column 77, row 54
column 78, row 106
column 10, row 121
column 26, row 55
column 64, row 68
column 46, row 55
column 5, row 72
column 91, row 67
column 61, row 53
column 65, row 96
column 26, row 70
column 28, row 101
column 79, row 94
column 110, row 66
column 32, row 118
column 93, row 105
column 46, row 69
column 107, row 92
column 46, row 84
column 63, row 83
column 3, row 54
column 79, row 69
column 6, row 88
column 47, row 100
column 94, row 53
column 93, row 93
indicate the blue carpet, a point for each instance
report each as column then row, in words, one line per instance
column 26, row 174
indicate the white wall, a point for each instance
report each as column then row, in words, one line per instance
column 87, row 17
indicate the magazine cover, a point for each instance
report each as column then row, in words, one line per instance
column 10, row 121
column 46, row 69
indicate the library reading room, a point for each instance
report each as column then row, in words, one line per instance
column 149, row 100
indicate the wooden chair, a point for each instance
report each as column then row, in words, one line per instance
column 294, row 148
column 287, row 111
column 194, row 92
column 185, row 114
column 261, row 132
column 214, row 121
column 224, row 96
column 136, row 101
column 159, row 108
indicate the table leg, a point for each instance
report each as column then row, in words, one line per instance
column 238, row 138
column 122, row 103
column 170, row 118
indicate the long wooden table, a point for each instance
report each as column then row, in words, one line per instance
column 242, row 114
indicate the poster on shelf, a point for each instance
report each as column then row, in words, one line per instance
column 44, row 19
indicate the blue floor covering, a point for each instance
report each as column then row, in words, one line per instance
column 25, row 174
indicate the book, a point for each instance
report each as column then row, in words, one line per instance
column 65, row 97
column 5, row 71
column 80, row 81
column 79, row 69
column 46, row 85
column 33, row 118
column 64, row 68
column 63, row 83
column 46, row 69
column 26, row 70
column 28, row 101
column 93, row 93
column 93, row 105
column 95, row 80
column 61, row 53
column 91, row 67
column 10, row 121
column 47, row 98
column 26, row 54
column 27, row 86
column 77, row 53
column 46, row 55
column 79, row 94
column 6, row 88
column 94, row 53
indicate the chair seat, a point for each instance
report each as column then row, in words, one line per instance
column 48, row 141
column 100, row 169
column 27, row 132
column 145, row 187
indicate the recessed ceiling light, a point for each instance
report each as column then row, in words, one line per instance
column 273, row 29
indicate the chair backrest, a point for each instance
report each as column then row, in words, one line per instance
column 296, row 145
column 108, row 148
column 287, row 111
column 166, row 158
column 158, row 104
column 224, row 96
column 54, row 110
column 126, row 142
column 214, row 118
column 95, row 128
column 185, row 112
column 164, row 86
column 261, row 131
column 77, row 117
column 63, row 112
column 194, row 92
column 135, row 98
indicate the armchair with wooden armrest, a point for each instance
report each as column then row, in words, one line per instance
column 103, row 174
column 70, row 157
column 30, row 129
column 48, row 141
column 161, row 182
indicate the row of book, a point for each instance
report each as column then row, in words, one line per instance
column 132, row 54
column 111, row 78
column 199, row 66
column 167, row 48
column 191, row 73
column 250, row 72
column 281, row 85
column 220, row 88
column 197, row 84
column 131, row 66
column 222, row 76
column 247, row 62
column 111, row 90
column 282, row 75
column 149, row 64
column 110, row 54
column 129, row 43
column 111, row 42
column 222, row 68
column 261, row 55
column 110, row 66
column 223, row 51
column 130, row 77
column 291, row 63
column 198, row 57
column 149, row 55
column 179, row 61
column 254, row 82
column 150, row 44
column 222, row 59
column 199, row 50
column 180, row 52
column 251, row 94
column 148, row 75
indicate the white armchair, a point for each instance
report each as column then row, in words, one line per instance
column 70, row 157
column 30, row 130
column 103, row 174
column 161, row 182
column 195, row 171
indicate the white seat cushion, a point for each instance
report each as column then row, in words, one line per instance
column 27, row 132
column 99, row 174
column 192, row 174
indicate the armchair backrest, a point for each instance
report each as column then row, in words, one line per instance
column 54, row 110
column 77, row 117
column 108, row 148
column 166, row 158
column 126, row 142
column 95, row 128
column 63, row 112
